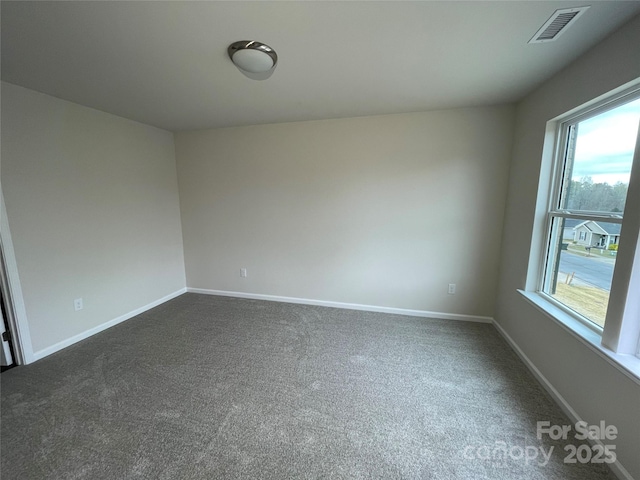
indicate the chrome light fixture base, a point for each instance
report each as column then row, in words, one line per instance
column 254, row 59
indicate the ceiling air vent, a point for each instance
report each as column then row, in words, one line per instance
column 557, row 24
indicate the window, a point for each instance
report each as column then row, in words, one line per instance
column 590, row 269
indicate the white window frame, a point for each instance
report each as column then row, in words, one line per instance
column 565, row 141
column 619, row 340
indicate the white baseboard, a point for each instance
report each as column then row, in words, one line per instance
column 616, row 467
column 348, row 306
column 92, row 331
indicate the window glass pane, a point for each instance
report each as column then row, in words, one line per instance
column 598, row 160
column 584, row 259
column 595, row 178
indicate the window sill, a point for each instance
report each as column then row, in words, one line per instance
column 627, row 364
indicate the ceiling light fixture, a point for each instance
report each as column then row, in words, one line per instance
column 254, row 59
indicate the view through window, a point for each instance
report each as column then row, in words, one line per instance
column 588, row 209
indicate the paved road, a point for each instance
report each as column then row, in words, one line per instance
column 592, row 270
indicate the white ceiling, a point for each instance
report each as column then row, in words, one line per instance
column 165, row 63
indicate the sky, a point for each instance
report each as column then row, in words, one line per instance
column 605, row 145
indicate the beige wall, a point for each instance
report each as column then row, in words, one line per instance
column 381, row 211
column 92, row 203
column 595, row 389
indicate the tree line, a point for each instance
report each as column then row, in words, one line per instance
column 583, row 194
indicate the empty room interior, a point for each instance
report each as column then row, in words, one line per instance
column 320, row 240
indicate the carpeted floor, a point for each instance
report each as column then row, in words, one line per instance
column 211, row 387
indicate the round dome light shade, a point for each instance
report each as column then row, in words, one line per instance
column 254, row 61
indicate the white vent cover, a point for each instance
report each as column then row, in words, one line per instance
column 557, row 24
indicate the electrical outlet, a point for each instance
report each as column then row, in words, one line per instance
column 77, row 304
column 243, row 272
column 452, row 288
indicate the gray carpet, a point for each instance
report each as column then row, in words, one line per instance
column 210, row 387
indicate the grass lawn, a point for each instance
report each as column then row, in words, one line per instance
column 588, row 301
column 594, row 252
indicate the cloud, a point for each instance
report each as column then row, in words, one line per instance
column 604, row 164
column 606, row 143
column 629, row 110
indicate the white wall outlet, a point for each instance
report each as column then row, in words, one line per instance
column 452, row 288
column 243, row 272
column 77, row 304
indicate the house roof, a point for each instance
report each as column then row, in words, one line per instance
column 598, row 227
column 572, row 222
column 611, row 228
column 166, row 63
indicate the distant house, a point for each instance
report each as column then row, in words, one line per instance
column 593, row 234
column 569, row 226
